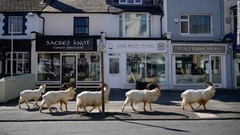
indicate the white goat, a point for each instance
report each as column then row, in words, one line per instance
column 92, row 98
column 27, row 95
column 200, row 96
column 146, row 96
column 53, row 97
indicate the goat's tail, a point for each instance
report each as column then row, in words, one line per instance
column 207, row 83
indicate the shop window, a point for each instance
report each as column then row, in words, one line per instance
column 134, row 25
column 195, row 24
column 48, row 67
column 192, row 69
column 130, row 1
column 20, row 63
column 88, row 67
column 81, row 26
column 145, row 68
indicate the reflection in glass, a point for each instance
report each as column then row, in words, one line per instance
column 48, row 67
column 88, row 67
column 145, row 68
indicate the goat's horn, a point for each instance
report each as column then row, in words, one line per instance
column 209, row 83
column 147, row 86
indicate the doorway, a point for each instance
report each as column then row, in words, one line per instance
column 237, row 75
column 113, row 71
column 68, row 69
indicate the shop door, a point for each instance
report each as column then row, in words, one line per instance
column 216, row 70
column 113, row 71
column 69, row 69
column 237, row 69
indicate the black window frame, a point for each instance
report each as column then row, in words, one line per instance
column 84, row 33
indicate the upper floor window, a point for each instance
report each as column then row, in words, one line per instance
column 130, row 1
column 81, row 26
column 134, row 25
column 15, row 24
column 196, row 24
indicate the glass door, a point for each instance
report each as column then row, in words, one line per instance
column 69, row 69
column 216, row 69
column 237, row 69
column 113, row 71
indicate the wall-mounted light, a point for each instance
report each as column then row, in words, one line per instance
column 30, row 14
column 176, row 20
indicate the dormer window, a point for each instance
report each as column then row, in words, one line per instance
column 130, row 1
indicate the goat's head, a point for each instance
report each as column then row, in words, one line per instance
column 72, row 92
column 42, row 87
column 104, row 85
column 156, row 85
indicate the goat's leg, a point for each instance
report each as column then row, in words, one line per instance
column 182, row 106
column 26, row 101
column 125, row 103
column 150, row 104
column 65, row 103
column 199, row 105
column 99, row 109
column 92, row 109
column 49, row 108
column 85, row 109
column 144, row 104
column 61, row 106
column 41, row 106
column 191, row 106
column 20, row 102
column 204, row 106
column 132, row 107
column 36, row 100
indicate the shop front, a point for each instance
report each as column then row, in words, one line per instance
column 61, row 59
column 129, row 62
column 194, row 64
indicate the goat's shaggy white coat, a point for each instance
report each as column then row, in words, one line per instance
column 27, row 95
column 146, row 96
column 53, row 97
column 92, row 98
column 200, row 96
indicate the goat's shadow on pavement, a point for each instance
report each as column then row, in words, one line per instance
column 106, row 115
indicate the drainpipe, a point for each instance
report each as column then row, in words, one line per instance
column 43, row 19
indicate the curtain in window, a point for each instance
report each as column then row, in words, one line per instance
column 200, row 24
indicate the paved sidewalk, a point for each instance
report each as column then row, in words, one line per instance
column 224, row 105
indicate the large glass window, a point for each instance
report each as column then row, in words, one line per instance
column 81, row 26
column 15, row 24
column 48, row 67
column 196, row 24
column 145, row 68
column 191, row 68
column 20, row 63
column 88, row 67
column 134, row 25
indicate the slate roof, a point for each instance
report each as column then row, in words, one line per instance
column 73, row 6
column 20, row 5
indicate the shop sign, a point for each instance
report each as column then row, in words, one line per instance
column 214, row 49
column 136, row 46
column 65, row 43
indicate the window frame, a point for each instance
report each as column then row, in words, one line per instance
column 81, row 26
column 127, row 2
column 122, row 24
column 16, row 24
column 188, row 21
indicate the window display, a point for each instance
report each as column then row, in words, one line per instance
column 88, row 67
column 48, row 67
column 145, row 68
column 196, row 68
